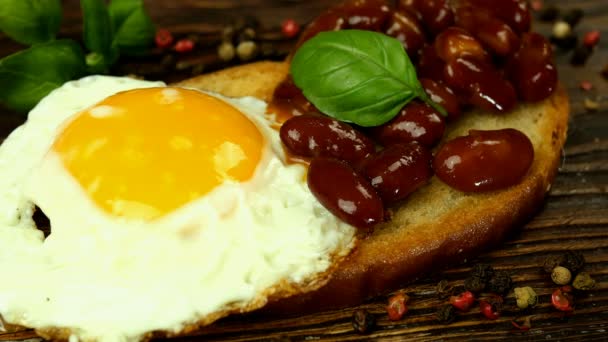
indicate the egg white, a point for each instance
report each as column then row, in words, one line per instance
column 113, row 279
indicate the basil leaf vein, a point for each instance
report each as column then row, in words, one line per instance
column 356, row 76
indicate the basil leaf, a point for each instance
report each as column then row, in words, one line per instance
column 30, row 21
column 97, row 30
column 120, row 10
column 356, row 76
column 136, row 32
column 29, row 75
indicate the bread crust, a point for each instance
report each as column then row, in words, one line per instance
column 435, row 227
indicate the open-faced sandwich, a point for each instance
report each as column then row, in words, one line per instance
column 339, row 174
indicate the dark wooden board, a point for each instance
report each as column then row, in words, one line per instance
column 575, row 216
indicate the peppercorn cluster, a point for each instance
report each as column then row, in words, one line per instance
column 564, row 35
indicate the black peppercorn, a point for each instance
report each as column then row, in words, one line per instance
column 446, row 313
column 228, row 33
column 363, row 321
column 553, row 261
column 183, row 65
column 247, row 21
column 565, row 43
column 604, row 72
column 474, row 284
column 580, row 55
column 268, row 50
column 246, row 34
column 198, row 69
column 573, row 17
column 444, row 289
column 574, row 261
column 482, row 271
column 548, row 14
column 500, row 283
column 168, row 61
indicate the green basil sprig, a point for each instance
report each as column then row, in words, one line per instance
column 122, row 27
column 97, row 35
column 357, row 76
column 133, row 28
column 29, row 75
column 30, row 21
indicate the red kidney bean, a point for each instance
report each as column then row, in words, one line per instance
column 368, row 15
column 443, row 95
column 484, row 160
column 405, row 27
column 537, row 47
column 532, row 70
column 483, row 83
column 436, row 15
column 398, row 170
column 492, row 32
column 330, row 20
column 456, row 42
column 516, row 13
column 429, row 64
column 535, row 82
column 313, row 136
column 344, row 192
column 354, row 14
column 415, row 122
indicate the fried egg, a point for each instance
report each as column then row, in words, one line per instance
column 168, row 207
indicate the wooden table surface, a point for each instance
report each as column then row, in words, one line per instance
column 575, row 216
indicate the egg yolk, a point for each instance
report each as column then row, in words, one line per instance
column 142, row 153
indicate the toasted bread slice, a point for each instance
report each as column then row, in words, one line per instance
column 437, row 225
column 434, row 227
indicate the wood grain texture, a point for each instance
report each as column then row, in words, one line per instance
column 575, row 216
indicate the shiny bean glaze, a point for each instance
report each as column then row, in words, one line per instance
column 368, row 15
column 330, row 20
column 289, row 101
column 313, row 136
column 484, row 85
column 455, row 42
column 493, row 33
column 404, row 27
column 443, row 95
column 415, row 122
column 398, row 170
column 516, row 13
column 532, row 70
column 344, row 192
column 429, row 64
column 484, row 160
column 436, row 15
